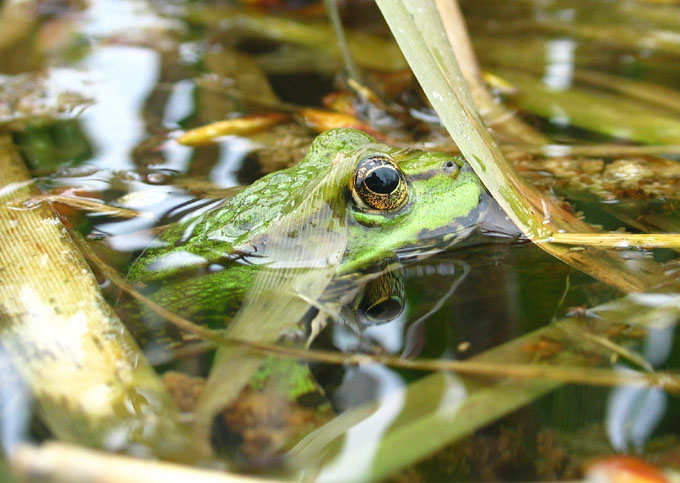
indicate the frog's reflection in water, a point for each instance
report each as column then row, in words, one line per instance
column 384, row 317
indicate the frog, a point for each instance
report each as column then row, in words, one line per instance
column 265, row 264
column 394, row 202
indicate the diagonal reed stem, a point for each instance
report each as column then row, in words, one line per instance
column 420, row 34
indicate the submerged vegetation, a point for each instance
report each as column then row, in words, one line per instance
column 409, row 254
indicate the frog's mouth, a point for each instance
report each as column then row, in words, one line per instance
column 431, row 241
column 459, row 228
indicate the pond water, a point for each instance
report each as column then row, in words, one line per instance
column 596, row 80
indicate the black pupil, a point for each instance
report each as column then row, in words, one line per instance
column 382, row 180
column 386, row 310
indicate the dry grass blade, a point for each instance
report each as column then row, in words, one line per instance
column 85, row 204
column 240, row 126
column 618, row 351
column 590, row 150
column 82, row 365
column 336, row 23
column 609, row 150
column 618, row 240
column 64, row 462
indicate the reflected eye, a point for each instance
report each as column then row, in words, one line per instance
column 384, row 310
column 379, row 185
column 383, row 298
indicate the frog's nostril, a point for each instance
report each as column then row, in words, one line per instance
column 450, row 167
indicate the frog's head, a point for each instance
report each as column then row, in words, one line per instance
column 402, row 198
column 392, row 199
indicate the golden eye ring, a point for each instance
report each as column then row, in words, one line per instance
column 378, row 185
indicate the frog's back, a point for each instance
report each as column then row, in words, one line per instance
column 213, row 235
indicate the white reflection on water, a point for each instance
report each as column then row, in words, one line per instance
column 137, row 224
column 362, row 443
column 559, row 63
column 176, row 156
column 659, row 344
column 176, row 260
column 632, row 415
column 180, row 103
column 124, row 77
column 390, row 336
column 15, row 405
column 233, row 150
column 110, row 17
column 179, row 106
column 454, row 395
column 655, row 299
column 350, row 464
column 559, row 73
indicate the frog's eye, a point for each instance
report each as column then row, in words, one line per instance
column 379, row 185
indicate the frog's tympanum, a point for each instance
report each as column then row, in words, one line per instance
column 366, row 201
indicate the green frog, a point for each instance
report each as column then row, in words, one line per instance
column 350, row 203
column 300, row 247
